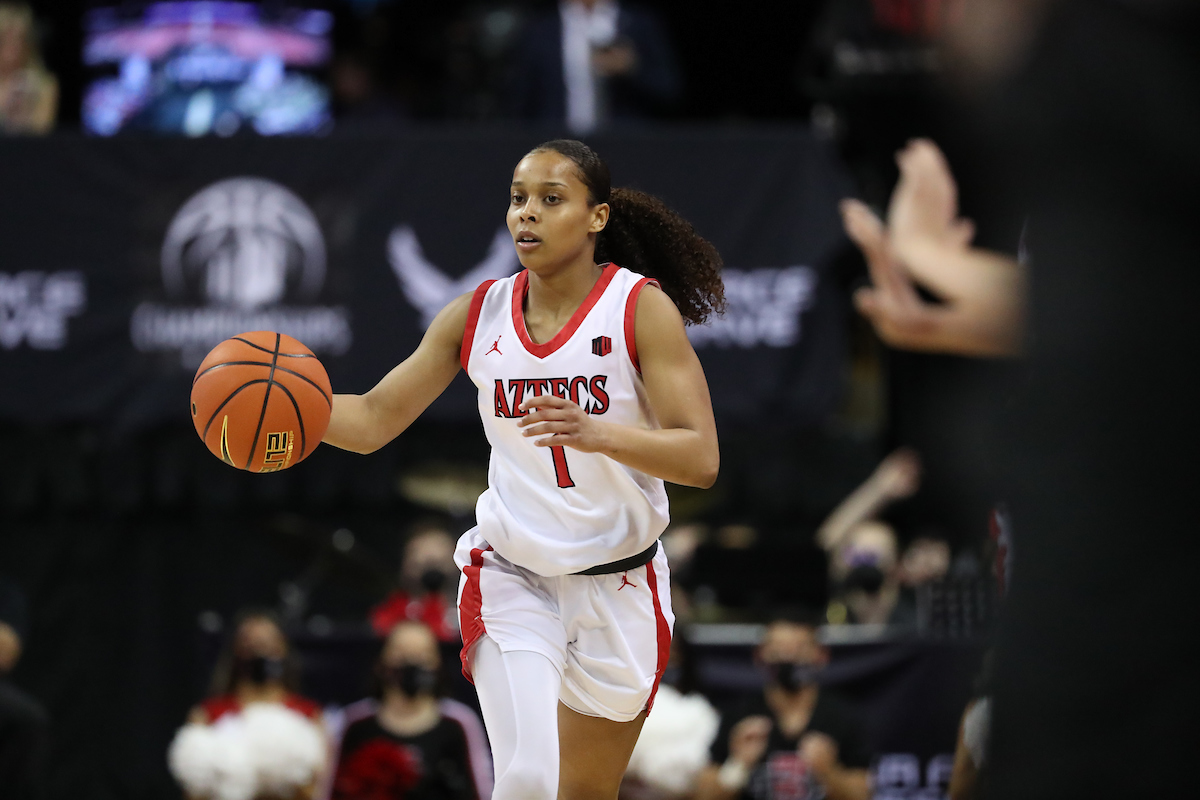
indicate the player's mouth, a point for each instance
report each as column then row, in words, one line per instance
column 526, row 241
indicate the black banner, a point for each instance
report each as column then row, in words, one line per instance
column 125, row 260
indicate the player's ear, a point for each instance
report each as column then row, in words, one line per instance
column 600, row 214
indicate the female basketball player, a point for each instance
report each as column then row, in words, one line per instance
column 591, row 396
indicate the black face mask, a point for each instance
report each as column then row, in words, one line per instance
column 792, row 676
column 866, row 577
column 432, row 580
column 412, row 679
column 258, row 669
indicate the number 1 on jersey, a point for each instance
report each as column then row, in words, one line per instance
column 560, row 467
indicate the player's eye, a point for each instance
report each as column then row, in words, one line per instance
column 552, row 198
column 517, row 199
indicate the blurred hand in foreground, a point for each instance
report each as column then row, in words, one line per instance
column 980, row 303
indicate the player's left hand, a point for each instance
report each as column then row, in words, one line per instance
column 565, row 421
column 820, row 752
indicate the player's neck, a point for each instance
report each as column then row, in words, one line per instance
column 554, row 297
column 792, row 709
column 248, row 693
column 408, row 716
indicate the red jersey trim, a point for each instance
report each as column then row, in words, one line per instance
column 631, row 320
column 521, row 288
column 464, row 353
column 470, row 609
column 663, row 633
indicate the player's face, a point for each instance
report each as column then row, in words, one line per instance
column 788, row 642
column 260, row 637
column 411, row 644
column 549, row 217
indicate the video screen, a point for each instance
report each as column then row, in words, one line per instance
column 197, row 68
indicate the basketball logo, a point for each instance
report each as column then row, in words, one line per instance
column 601, row 346
column 279, row 451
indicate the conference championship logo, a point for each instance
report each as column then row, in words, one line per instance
column 243, row 254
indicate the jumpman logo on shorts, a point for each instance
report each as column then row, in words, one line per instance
column 625, row 582
column 495, row 347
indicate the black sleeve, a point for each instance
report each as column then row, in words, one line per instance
column 454, row 763
column 24, row 747
column 720, row 749
column 839, row 721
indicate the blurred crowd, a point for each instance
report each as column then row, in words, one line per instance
column 416, row 732
column 581, row 64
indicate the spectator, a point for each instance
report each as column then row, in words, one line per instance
column 428, row 585
column 255, row 737
column 28, row 93
column 24, row 725
column 863, row 551
column 795, row 741
column 412, row 744
column 594, row 61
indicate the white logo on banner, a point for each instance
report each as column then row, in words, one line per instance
column 425, row 286
column 898, row 777
column 246, row 245
column 35, row 306
column 763, row 308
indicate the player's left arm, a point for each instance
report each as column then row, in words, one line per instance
column 684, row 449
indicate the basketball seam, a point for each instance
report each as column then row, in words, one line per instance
column 266, row 397
column 299, row 419
column 265, row 350
column 225, row 402
column 301, row 376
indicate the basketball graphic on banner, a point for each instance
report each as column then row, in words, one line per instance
column 261, row 401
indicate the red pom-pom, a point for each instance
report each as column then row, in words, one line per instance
column 379, row 770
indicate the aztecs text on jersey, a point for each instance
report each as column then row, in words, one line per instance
column 555, row 510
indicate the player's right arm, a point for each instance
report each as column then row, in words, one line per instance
column 363, row 423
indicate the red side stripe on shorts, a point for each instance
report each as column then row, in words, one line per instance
column 631, row 320
column 470, row 609
column 664, row 633
column 464, row 353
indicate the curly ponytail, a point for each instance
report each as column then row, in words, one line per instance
column 645, row 236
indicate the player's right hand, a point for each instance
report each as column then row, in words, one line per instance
column 748, row 740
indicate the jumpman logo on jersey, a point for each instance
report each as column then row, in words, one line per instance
column 495, row 346
column 625, row 582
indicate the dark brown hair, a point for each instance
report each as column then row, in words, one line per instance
column 646, row 236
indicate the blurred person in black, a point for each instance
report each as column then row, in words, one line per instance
column 412, row 744
column 796, row 740
column 589, row 62
column 1091, row 113
column 24, row 724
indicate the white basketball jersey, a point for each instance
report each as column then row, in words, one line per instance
column 555, row 510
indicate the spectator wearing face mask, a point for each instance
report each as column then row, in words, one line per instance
column 863, row 551
column 795, row 740
column 255, row 737
column 411, row 743
column 257, row 667
column 428, row 585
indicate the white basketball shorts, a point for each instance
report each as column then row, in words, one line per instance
column 608, row 635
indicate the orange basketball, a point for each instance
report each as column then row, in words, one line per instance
column 261, row 401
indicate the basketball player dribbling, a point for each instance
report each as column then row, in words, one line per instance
column 591, row 397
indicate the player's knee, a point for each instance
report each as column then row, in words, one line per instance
column 526, row 781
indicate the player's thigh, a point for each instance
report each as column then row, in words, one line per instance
column 594, row 753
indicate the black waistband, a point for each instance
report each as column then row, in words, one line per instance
column 633, row 562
